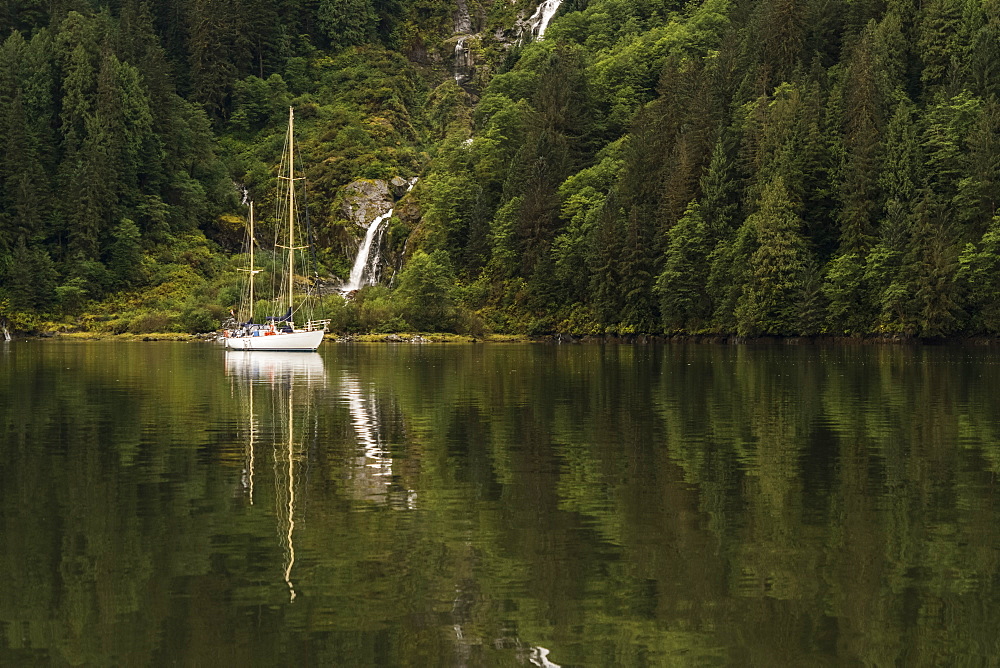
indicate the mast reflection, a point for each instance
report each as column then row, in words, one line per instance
column 281, row 373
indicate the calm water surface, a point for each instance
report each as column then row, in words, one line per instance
column 499, row 505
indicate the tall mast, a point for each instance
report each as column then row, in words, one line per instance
column 252, row 267
column 290, row 159
column 291, row 207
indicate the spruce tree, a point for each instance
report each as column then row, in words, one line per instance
column 728, row 276
column 772, row 298
column 979, row 279
column 864, row 113
column 637, row 275
column 604, row 263
column 681, row 286
column 902, row 172
column 932, row 265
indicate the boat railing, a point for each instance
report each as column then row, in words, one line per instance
column 323, row 324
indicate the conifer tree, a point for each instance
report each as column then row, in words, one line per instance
column 728, row 275
column 139, row 45
column 932, row 265
column 979, row 278
column 681, row 286
column 863, row 118
column 848, row 294
column 982, row 65
column 30, row 278
column 347, row 22
column 775, row 285
column 26, row 183
column 637, row 275
column 945, row 146
column 979, row 185
column 603, row 261
column 901, row 175
column 220, row 52
column 938, row 41
column 720, row 190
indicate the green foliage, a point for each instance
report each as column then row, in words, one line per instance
column 426, row 292
column 847, row 292
column 620, row 175
column 347, row 22
column 258, row 103
column 684, row 305
column 29, row 279
column 125, row 256
column 979, row 278
column 777, row 270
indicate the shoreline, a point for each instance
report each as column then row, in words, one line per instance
column 629, row 339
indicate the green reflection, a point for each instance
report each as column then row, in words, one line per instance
column 498, row 505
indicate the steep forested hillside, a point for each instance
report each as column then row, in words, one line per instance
column 750, row 167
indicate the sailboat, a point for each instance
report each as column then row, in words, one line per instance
column 278, row 332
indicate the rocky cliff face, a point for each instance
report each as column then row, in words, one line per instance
column 365, row 200
column 469, row 41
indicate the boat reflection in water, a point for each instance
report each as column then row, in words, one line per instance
column 284, row 398
column 281, row 374
column 268, row 366
column 326, row 443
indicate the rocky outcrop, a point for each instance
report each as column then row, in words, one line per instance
column 463, row 65
column 365, row 200
column 463, row 21
column 399, row 185
column 408, row 211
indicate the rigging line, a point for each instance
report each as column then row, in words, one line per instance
column 305, row 209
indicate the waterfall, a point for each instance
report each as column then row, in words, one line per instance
column 463, row 60
column 539, row 21
column 366, row 264
column 365, row 269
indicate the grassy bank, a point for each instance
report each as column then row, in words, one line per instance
column 410, row 337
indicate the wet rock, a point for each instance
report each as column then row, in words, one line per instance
column 463, row 22
column 408, row 210
column 365, row 200
column 398, row 185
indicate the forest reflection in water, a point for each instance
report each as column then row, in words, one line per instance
column 499, row 505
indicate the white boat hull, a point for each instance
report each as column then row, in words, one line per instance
column 294, row 341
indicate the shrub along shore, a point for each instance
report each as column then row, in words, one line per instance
column 445, row 337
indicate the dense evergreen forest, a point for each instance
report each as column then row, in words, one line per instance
column 768, row 167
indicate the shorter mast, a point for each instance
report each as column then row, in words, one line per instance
column 251, row 270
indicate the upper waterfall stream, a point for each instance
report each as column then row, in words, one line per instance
column 539, row 21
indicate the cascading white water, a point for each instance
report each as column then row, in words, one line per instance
column 463, row 61
column 539, row 21
column 365, row 272
column 366, row 264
